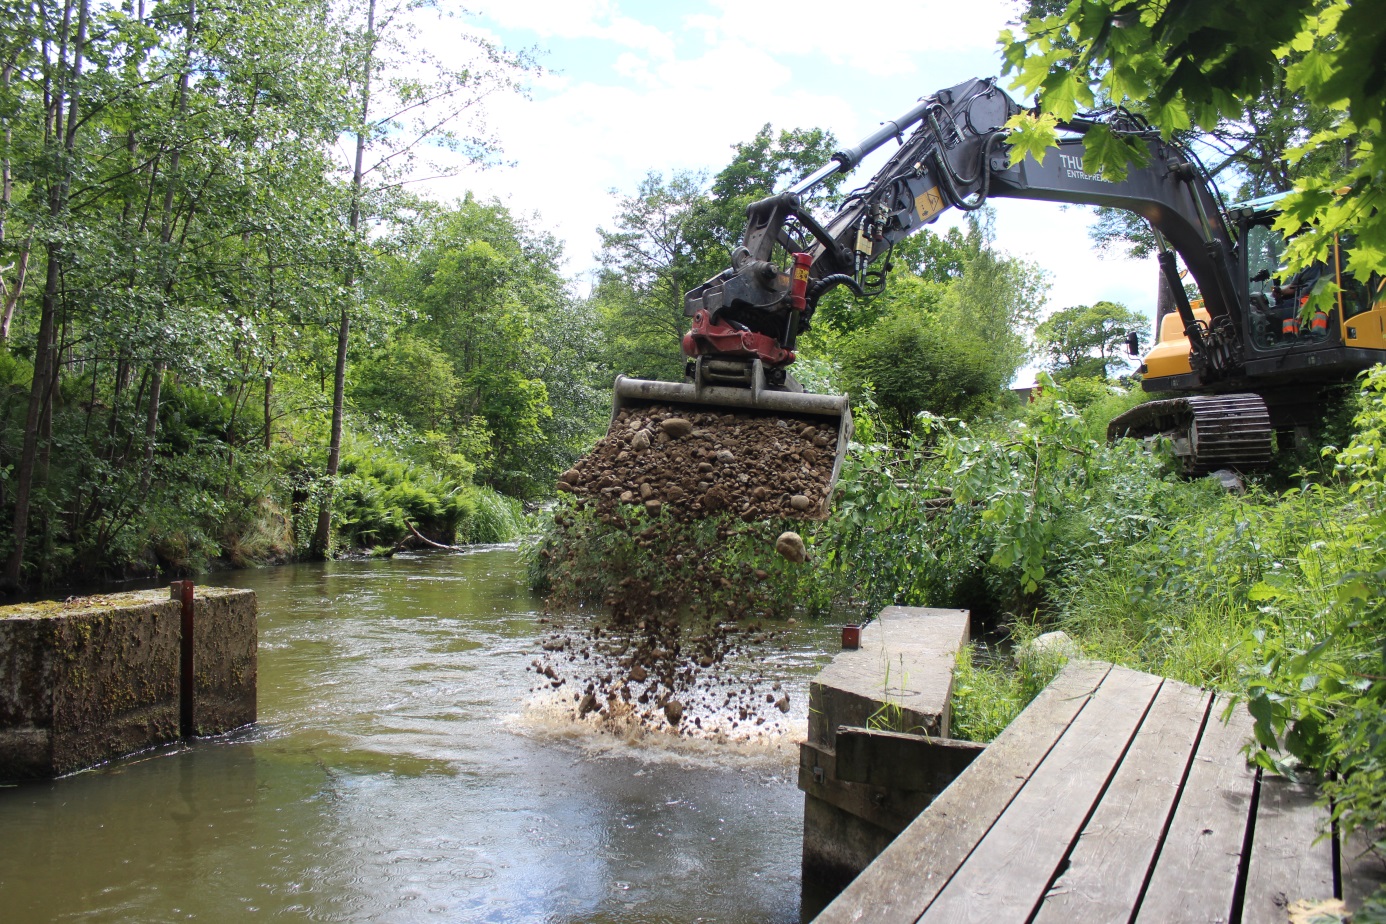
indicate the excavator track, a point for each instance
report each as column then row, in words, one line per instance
column 1209, row 432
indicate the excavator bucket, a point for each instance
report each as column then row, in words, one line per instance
column 756, row 400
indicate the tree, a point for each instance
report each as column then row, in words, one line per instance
column 948, row 346
column 1207, row 64
column 671, row 235
column 1089, row 340
column 400, row 115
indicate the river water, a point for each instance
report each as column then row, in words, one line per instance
column 403, row 769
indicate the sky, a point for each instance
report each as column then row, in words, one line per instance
column 634, row 86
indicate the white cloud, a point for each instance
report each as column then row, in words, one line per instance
column 569, row 19
column 870, row 39
column 737, row 65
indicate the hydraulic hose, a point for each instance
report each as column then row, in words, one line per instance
column 821, row 287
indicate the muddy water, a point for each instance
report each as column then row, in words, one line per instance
column 403, row 771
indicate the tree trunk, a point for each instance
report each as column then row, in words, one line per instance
column 151, row 427
column 322, row 535
column 39, row 397
column 68, row 90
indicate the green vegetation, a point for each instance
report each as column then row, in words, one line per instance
column 1288, row 91
column 224, row 339
column 1034, row 522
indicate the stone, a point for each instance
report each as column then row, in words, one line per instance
column 653, row 507
column 640, row 441
column 800, row 502
column 94, row 678
column 1056, row 644
column 673, row 711
column 791, row 546
column 571, row 476
column 588, row 704
column 725, row 455
column 676, row 427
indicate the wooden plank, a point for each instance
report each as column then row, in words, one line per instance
column 910, row 873
column 1007, row 875
column 890, row 810
column 906, row 660
column 1286, row 863
column 1114, row 853
column 1363, row 871
column 900, row 762
column 1195, row 875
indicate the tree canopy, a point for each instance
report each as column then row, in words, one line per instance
column 1089, row 340
column 1186, row 64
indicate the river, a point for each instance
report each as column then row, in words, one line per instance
column 403, row 769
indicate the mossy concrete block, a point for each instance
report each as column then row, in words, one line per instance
column 86, row 680
column 94, row 678
column 224, row 659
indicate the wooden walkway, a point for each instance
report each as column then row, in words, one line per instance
column 1116, row 796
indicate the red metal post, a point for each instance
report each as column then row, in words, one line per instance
column 183, row 592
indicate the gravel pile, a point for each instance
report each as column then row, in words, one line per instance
column 689, row 464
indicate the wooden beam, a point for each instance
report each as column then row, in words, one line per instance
column 1195, row 875
column 1286, row 862
column 901, row 762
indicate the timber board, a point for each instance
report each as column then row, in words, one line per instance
column 1115, row 796
column 1109, row 863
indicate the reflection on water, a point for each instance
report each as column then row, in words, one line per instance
column 400, row 771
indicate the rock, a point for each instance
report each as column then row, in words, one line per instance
column 639, row 674
column 588, row 704
column 571, row 476
column 653, row 507
column 627, row 497
column 783, row 703
column 676, row 427
column 1231, row 482
column 646, row 491
column 673, row 711
column 640, row 441
column 791, row 546
column 800, row 502
column 1055, row 644
column 705, row 661
column 761, row 574
column 725, row 456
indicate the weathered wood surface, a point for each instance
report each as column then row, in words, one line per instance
column 905, row 661
column 1108, row 866
column 918, row 864
column 900, row 762
column 1007, row 874
column 1195, row 875
column 1116, row 796
column 1284, row 867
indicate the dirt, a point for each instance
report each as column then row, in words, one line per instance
column 680, row 546
column 662, row 674
column 685, row 465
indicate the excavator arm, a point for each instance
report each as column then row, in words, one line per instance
column 953, row 154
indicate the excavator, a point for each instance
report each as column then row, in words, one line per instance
column 1237, row 364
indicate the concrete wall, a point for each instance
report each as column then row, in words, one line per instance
column 89, row 679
